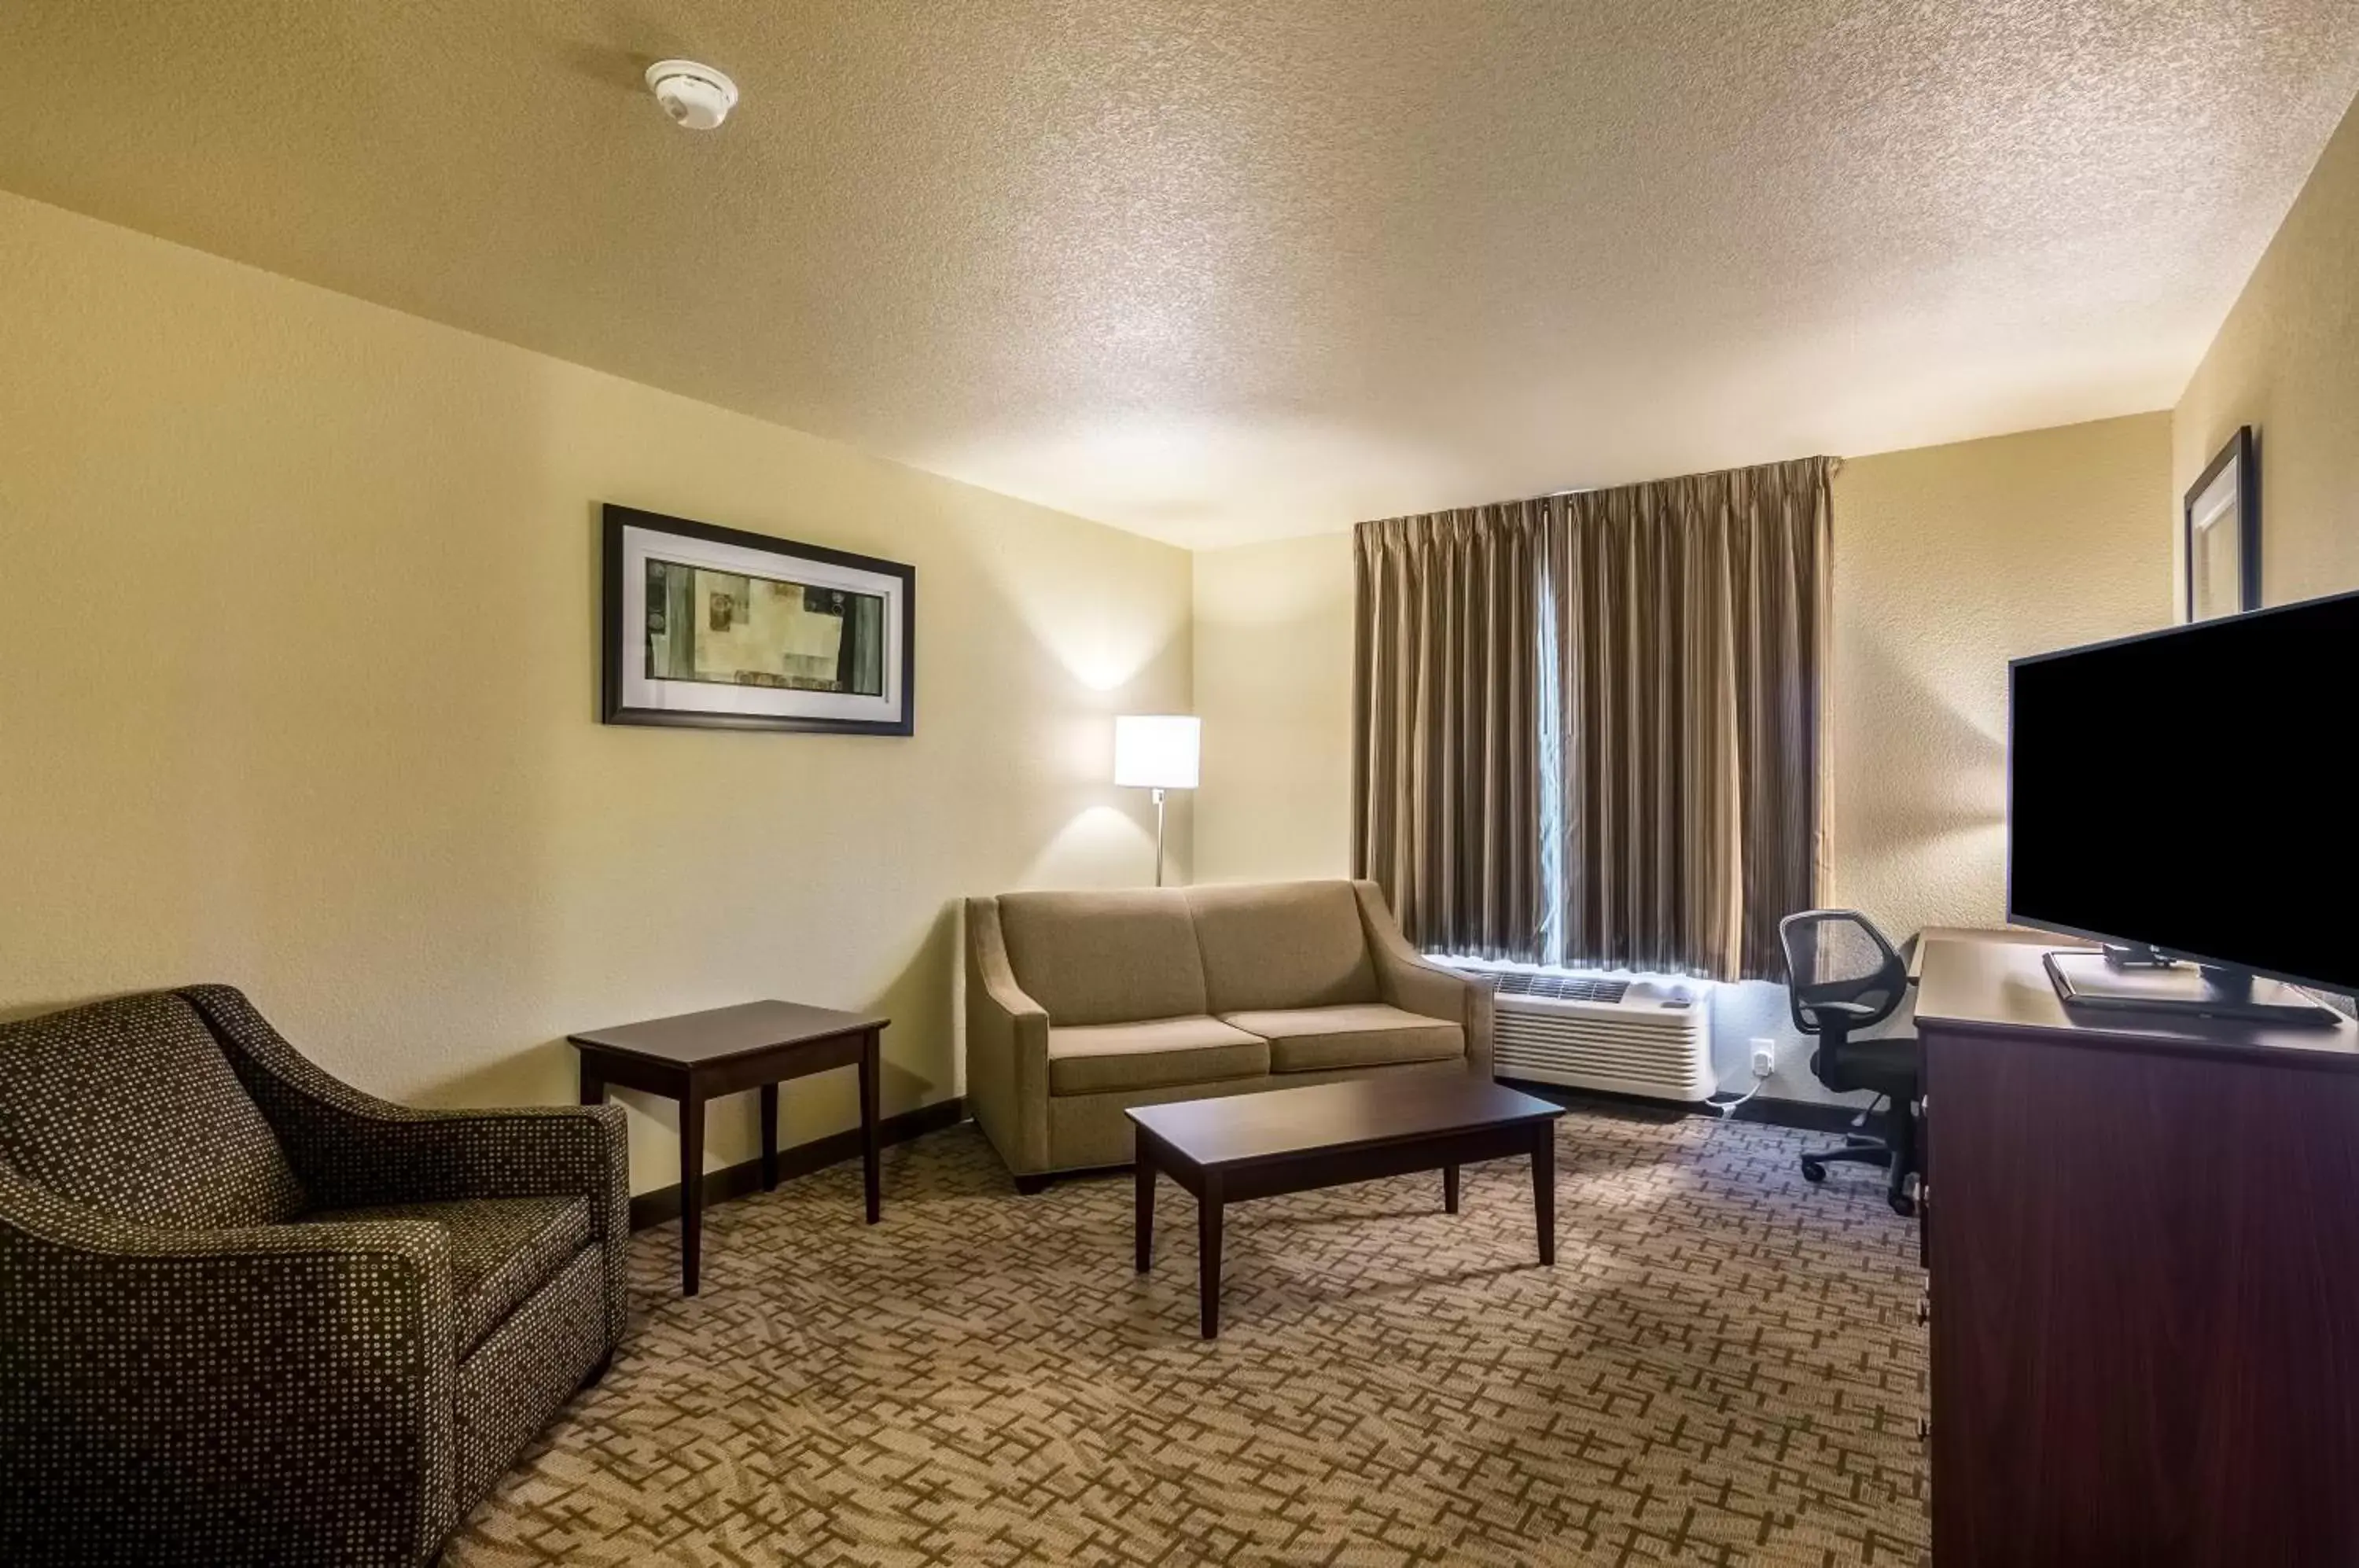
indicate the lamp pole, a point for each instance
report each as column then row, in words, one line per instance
column 1159, row 837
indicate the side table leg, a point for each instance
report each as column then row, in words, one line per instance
column 691, row 1188
column 1143, row 1243
column 872, row 1147
column 769, row 1138
column 1450, row 1189
column 1208, row 1263
column 1543, row 1188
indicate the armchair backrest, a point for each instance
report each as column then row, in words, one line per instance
column 129, row 1107
column 1280, row 946
column 1107, row 957
column 1124, row 954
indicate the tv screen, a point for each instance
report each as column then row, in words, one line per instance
column 2192, row 790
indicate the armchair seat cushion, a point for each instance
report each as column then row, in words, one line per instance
column 502, row 1250
column 1885, row 1066
column 1160, row 1054
column 1355, row 1034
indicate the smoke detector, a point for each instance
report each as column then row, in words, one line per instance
column 695, row 96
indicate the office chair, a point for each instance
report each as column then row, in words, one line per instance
column 1842, row 976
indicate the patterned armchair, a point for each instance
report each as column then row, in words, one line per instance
column 248, row 1314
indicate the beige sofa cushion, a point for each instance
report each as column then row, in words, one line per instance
column 1104, row 957
column 1157, row 1054
column 1365, row 1034
column 1282, row 945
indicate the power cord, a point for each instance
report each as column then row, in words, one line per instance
column 1726, row 1105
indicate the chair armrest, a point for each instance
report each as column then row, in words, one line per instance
column 1843, row 1009
column 353, row 1149
column 1415, row 985
column 1006, row 1047
column 280, row 1393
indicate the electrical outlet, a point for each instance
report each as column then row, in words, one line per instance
column 1765, row 1056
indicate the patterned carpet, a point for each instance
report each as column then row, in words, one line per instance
column 1724, row 1367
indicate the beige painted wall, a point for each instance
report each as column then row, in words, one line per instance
column 298, row 692
column 1273, row 645
column 1949, row 561
column 2286, row 362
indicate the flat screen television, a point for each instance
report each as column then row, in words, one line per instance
column 2192, row 791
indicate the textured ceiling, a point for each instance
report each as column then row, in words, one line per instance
column 1225, row 270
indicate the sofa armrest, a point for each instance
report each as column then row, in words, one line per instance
column 353, row 1149
column 1415, row 985
column 279, row 1393
column 1006, row 1047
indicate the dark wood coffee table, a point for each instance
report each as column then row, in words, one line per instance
column 756, row 1045
column 1291, row 1140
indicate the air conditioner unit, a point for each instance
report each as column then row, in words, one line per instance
column 1625, row 1037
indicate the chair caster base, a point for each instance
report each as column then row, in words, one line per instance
column 1813, row 1171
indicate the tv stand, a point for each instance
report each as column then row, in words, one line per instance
column 2097, row 981
column 2143, row 1232
column 2137, row 955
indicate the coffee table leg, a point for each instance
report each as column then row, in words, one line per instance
column 1208, row 1263
column 769, row 1138
column 871, row 1135
column 1543, row 1188
column 1143, row 1234
column 691, row 1188
column 1450, row 1189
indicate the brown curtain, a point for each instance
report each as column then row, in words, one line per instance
column 1587, row 725
column 1689, row 625
column 1444, row 776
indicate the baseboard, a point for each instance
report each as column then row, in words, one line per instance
column 662, row 1206
column 1802, row 1115
column 1604, row 1101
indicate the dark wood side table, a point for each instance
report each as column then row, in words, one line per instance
column 756, row 1045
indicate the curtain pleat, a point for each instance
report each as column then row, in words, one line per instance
column 1444, row 814
column 1692, row 646
column 1688, row 622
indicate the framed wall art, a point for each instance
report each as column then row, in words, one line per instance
column 2222, row 538
column 716, row 627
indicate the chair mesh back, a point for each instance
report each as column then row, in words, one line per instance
column 1830, row 951
column 1836, row 955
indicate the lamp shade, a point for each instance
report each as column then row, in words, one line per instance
column 1156, row 751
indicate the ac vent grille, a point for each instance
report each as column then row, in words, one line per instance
column 1558, row 987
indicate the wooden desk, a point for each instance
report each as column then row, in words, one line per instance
column 696, row 1056
column 1926, row 938
column 2144, row 1240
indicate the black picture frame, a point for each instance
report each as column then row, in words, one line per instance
column 622, row 635
column 2244, row 451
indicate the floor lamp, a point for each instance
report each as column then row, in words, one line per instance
column 1157, row 752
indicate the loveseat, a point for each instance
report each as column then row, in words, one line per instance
column 250, row 1315
column 1080, row 1005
